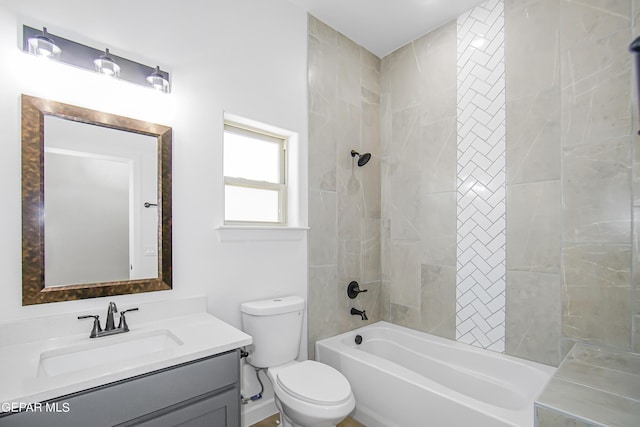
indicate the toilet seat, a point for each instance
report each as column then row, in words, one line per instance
column 315, row 383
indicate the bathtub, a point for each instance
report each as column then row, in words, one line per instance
column 404, row 378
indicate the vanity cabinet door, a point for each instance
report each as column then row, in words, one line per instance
column 205, row 392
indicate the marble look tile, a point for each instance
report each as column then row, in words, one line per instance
column 625, row 384
column 369, row 60
column 403, row 175
column 384, row 301
column 438, row 237
column 318, row 29
column 405, row 274
column 438, row 300
column 322, row 77
column 405, row 133
column 350, row 209
column 594, row 405
column 322, row 152
column 404, row 72
column 348, row 120
column 533, row 136
column 348, row 68
column 437, row 155
column 371, row 267
column 596, row 71
column 636, row 334
column 369, row 97
column 403, row 206
column 323, row 228
column 531, row 48
column 635, row 141
column 635, row 281
column 548, row 418
column 592, row 19
column 533, row 316
column 385, row 249
column 566, row 345
column 598, row 108
column 596, row 192
column 598, row 385
column 404, row 316
column 349, row 260
column 437, row 55
column 612, row 361
column 596, row 293
column 533, row 227
column 370, row 78
column 322, row 300
column 437, row 84
column 371, row 172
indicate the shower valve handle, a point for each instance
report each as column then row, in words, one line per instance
column 353, row 289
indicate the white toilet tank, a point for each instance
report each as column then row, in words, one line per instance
column 276, row 327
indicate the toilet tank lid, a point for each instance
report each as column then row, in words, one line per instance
column 273, row 306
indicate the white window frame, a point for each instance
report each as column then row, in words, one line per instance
column 281, row 187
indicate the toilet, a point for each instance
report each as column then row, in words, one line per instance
column 308, row 393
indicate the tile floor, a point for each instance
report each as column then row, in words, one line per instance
column 273, row 421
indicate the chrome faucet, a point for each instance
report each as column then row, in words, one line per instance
column 361, row 313
column 109, row 328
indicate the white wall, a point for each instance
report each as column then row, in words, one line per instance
column 246, row 57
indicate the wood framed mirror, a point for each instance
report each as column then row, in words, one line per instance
column 96, row 203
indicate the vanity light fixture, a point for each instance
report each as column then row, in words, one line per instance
column 158, row 81
column 105, row 64
column 42, row 43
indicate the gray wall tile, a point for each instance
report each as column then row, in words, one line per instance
column 597, row 294
column 438, row 300
column 534, row 315
column 533, row 227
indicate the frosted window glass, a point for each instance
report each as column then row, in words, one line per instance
column 251, row 158
column 251, row 204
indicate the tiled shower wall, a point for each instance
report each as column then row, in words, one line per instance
column 344, row 199
column 570, row 171
column 481, row 181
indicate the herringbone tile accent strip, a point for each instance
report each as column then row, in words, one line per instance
column 481, row 255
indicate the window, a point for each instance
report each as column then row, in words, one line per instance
column 255, row 190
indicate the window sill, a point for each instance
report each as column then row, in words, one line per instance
column 259, row 233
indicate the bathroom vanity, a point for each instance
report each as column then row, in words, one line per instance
column 183, row 370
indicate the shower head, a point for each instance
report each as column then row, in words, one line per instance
column 362, row 158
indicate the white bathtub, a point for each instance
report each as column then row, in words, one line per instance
column 404, row 378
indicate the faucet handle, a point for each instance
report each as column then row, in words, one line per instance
column 96, row 324
column 353, row 289
column 123, row 321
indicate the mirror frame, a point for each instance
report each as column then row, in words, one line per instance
column 33, row 273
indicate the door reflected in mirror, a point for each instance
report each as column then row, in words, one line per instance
column 96, row 181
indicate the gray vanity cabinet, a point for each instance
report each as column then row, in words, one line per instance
column 205, row 392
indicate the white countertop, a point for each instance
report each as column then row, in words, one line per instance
column 21, row 380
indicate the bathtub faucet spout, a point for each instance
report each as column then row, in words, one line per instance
column 362, row 314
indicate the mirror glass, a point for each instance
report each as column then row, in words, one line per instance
column 96, row 182
column 96, row 203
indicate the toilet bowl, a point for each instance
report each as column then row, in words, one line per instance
column 311, row 394
column 307, row 393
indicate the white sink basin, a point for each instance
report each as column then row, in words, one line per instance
column 105, row 351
